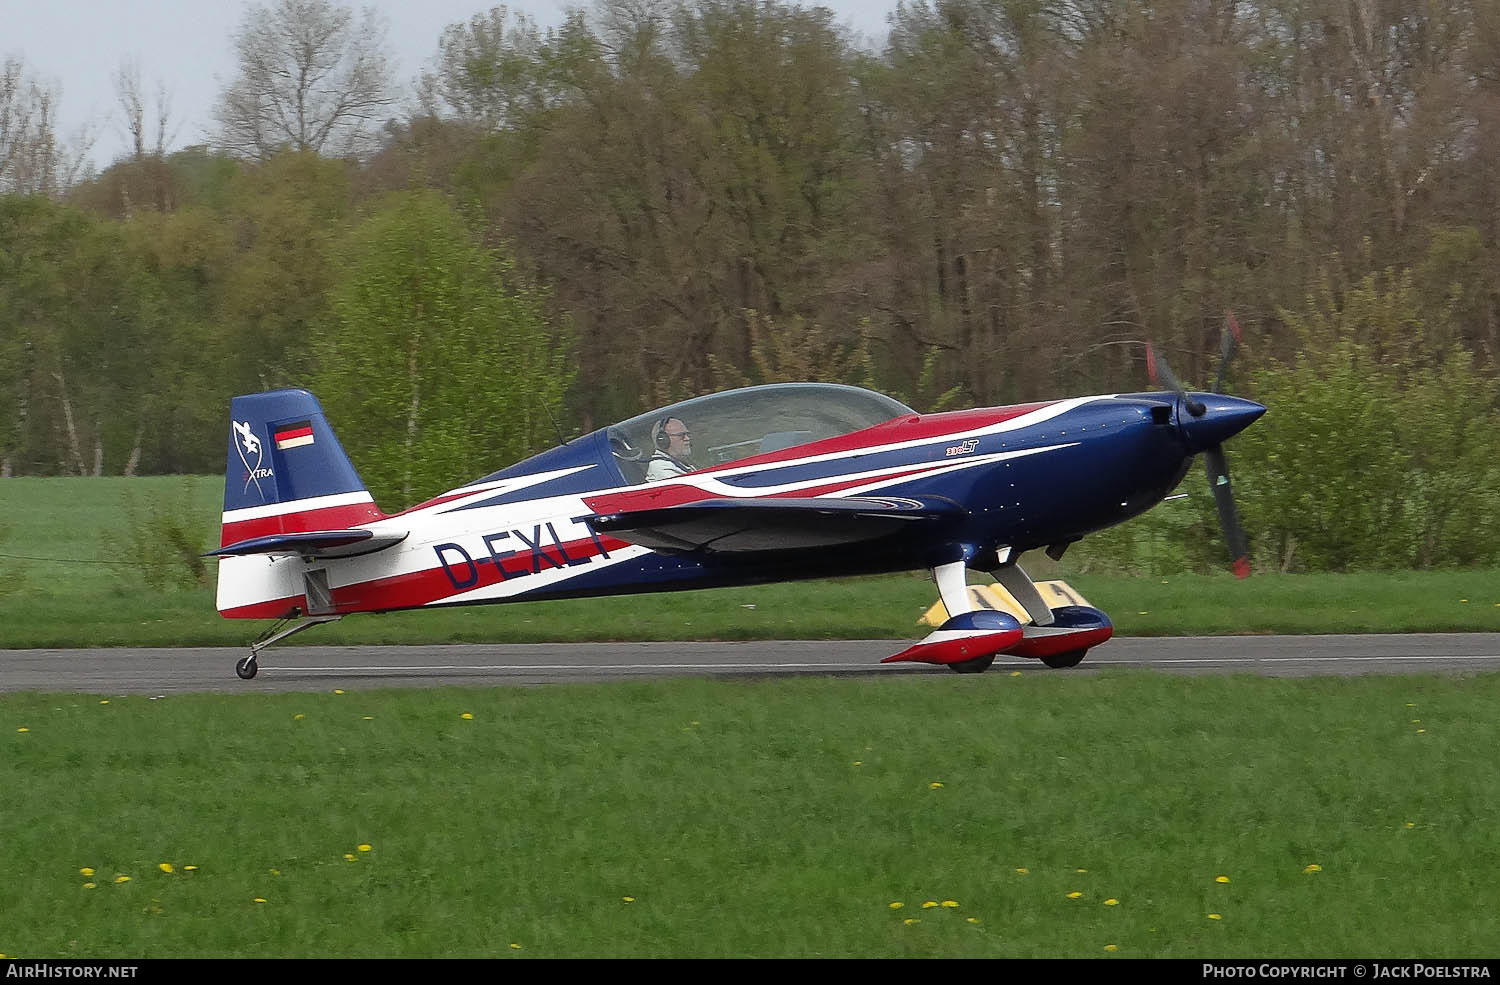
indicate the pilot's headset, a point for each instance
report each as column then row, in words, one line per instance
column 659, row 434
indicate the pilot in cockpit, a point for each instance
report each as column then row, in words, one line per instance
column 674, row 446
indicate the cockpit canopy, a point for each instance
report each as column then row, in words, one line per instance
column 736, row 424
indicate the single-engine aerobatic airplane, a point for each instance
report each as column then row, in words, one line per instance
column 800, row 480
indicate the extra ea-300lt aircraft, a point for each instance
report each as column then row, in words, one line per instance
column 787, row 481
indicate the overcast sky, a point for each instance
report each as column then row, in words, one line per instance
column 184, row 45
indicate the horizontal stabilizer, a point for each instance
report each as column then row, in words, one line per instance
column 314, row 543
column 753, row 525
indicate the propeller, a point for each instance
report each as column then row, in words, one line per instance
column 1218, row 421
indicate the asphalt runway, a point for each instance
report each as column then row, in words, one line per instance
column 320, row 668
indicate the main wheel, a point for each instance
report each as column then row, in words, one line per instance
column 976, row 666
column 1068, row 659
column 246, row 668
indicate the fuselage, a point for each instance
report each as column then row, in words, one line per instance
column 1022, row 477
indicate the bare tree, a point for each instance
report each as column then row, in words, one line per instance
column 311, row 77
column 34, row 160
column 132, row 98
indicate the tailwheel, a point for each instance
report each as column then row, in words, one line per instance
column 1071, row 658
column 246, row 667
column 976, row 666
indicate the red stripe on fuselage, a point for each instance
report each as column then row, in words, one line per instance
column 303, row 432
column 298, row 521
column 270, row 609
column 418, row 588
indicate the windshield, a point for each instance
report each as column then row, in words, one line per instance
column 723, row 427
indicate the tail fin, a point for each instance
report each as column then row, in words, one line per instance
column 287, row 472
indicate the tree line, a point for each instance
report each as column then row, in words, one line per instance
column 552, row 230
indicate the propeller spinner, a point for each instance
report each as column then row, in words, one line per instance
column 1210, row 420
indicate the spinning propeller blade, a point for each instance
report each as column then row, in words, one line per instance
column 1160, row 372
column 1214, row 461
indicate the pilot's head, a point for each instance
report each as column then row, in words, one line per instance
column 672, row 436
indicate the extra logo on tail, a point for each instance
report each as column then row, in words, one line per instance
column 249, row 444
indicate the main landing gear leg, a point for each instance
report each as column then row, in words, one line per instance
column 247, row 667
column 1014, row 579
column 953, row 588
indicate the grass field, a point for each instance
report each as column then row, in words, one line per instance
column 77, row 558
column 1122, row 815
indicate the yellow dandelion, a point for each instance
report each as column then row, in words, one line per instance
column 275, row 872
column 910, row 920
column 1023, row 871
column 1143, row 613
column 298, row 718
column 338, row 690
column 515, row 947
column 1221, row 879
column 166, row 867
column 950, row 904
column 973, row 919
column 189, row 868
column 23, row 729
column 88, row 885
column 369, row 718
column 122, row 878
column 85, row 871
column 1111, row 947
column 1015, row 673
column 1075, row 895
column 104, row 702
column 466, row 716
column 1411, row 824
column 859, row 762
column 348, row 857
column 364, row 848
column 259, row 899
column 929, row 904
column 1421, row 731
column 934, row 786
column 897, row 905
column 1080, row 870
column 1111, row 902
column 1215, row 916
column 1315, row 867
column 628, row 899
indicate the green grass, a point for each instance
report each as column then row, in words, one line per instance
column 100, row 549
column 773, row 819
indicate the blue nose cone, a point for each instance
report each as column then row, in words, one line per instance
column 1223, row 417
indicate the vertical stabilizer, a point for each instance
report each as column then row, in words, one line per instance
column 287, row 472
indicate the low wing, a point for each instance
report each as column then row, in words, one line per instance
column 753, row 525
column 314, row 544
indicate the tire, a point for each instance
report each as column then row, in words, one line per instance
column 976, row 666
column 1060, row 660
column 246, row 667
